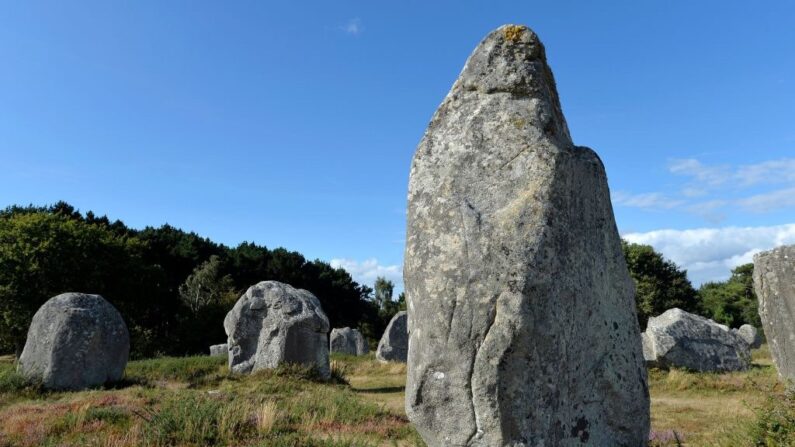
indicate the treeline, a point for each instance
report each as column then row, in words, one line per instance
column 660, row 285
column 172, row 287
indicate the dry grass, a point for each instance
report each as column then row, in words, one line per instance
column 266, row 416
column 194, row 402
column 711, row 409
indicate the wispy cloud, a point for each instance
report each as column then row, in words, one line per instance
column 706, row 175
column 709, row 210
column 709, row 254
column 743, row 176
column 774, row 171
column 713, row 191
column 770, row 201
column 352, row 27
column 651, row 201
column 365, row 272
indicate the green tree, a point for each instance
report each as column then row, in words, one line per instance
column 402, row 301
column 46, row 254
column 659, row 283
column 206, row 286
column 384, row 290
column 732, row 302
column 45, row 251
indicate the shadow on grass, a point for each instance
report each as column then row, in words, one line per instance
column 382, row 390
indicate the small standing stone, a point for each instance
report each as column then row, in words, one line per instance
column 221, row 350
column 275, row 323
column 393, row 346
column 750, row 335
column 347, row 341
column 774, row 282
column 75, row 341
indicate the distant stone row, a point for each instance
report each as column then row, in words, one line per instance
column 78, row 341
column 275, row 323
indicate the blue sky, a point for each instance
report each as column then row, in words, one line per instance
column 293, row 124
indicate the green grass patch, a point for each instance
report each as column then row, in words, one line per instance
column 194, row 371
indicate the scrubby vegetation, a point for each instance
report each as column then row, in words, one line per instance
column 193, row 401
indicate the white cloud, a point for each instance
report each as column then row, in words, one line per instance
column 365, row 272
column 709, row 254
column 651, row 200
column 353, row 27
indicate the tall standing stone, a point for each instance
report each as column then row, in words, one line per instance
column 274, row 323
column 75, row 341
column 522, row 325
column 774, row 282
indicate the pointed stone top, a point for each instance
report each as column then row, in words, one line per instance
column 512, row 59
column 502, row 61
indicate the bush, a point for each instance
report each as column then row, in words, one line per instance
column 775, row 421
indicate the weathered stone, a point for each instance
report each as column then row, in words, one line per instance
column 393, row 346
column 348, row 341
column 774, row 282
column 221, row 350
column 681, row 339
column 522, row 321
column 750, row 335
column 648, row 350
column 275, row 323
column 75, row 341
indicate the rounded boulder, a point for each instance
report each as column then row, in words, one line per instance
column 75, row 341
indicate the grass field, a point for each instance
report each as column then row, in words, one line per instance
column 194, row 402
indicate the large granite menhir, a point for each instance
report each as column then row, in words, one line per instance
column 684, row 340
column 75, row 341
column 522, row 324
column 274, row 323
column 774, row 282
column 394, row 344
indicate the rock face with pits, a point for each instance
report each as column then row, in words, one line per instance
column 348, row 341
column 774, row 282
column 522, row 324
column 274, row 323
column 684, row 340
column 75, row 341
column 394, row 344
